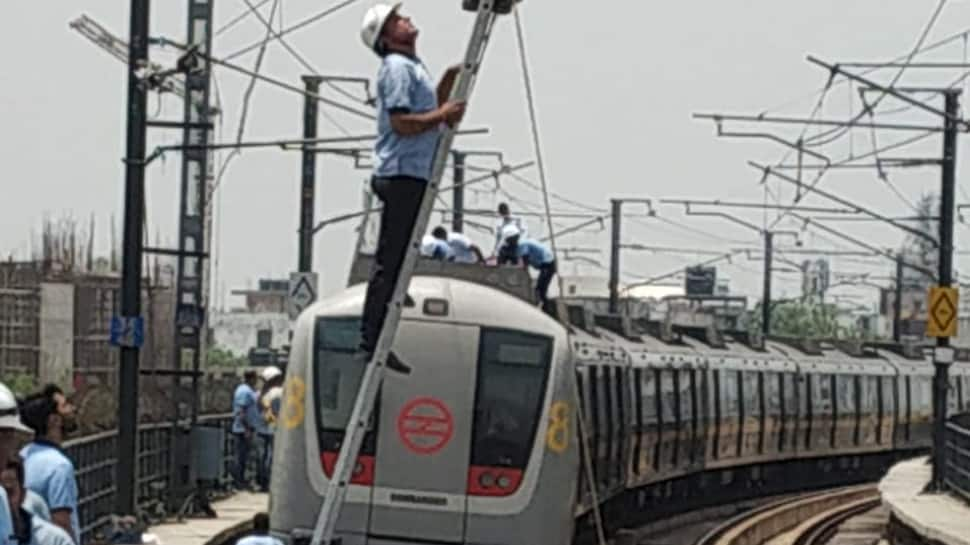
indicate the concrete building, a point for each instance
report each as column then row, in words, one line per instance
column 260, row 329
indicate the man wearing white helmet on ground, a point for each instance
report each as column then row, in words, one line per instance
column 269, row 402
column 10, row 426
column 411, row 112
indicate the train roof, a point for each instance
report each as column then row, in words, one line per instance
column 467, row 302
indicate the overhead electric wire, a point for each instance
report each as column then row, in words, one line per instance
column 309, row 20
column 534, row 123
column 237, row 19
column 302, row 61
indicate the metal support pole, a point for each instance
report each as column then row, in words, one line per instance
column 126, row 469
column 766, row 294
column 458, row 194
column 943, row 357
column 615, row 257
column 898, row 301
column 309, row 172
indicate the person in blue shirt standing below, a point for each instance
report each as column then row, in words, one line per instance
column 245, row 422
column 531, row 253
column 49, row 472
column 411, row 113
column 29, row 528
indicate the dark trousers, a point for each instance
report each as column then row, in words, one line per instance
column 546, row 272
column 401, row 196
column 242, row 444
column 265, row 461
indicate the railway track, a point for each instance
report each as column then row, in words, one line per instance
column 806, row 519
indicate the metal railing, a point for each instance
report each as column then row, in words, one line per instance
column 95, row 457
column 957, row 474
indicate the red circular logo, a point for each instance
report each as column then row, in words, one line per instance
column 425, row 425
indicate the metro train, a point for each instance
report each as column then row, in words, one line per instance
column 480, row 443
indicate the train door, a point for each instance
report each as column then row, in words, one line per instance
column 424, row 444
column 890, row 412
column 823, row 407
column 773, row 420
column 788, row 439
column 751, row 416
column 845, row 410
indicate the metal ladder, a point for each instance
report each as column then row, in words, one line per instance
column 374, row 373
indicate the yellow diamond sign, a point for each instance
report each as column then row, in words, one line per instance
column 942, row 320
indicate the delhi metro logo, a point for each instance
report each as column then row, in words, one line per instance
column 425, row 425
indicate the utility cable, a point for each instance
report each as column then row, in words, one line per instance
column 534, row 123
column 277, row 35
column 247, row 95
column 237, row 19
column 302, row 61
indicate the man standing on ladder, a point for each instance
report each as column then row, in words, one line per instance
column 410, row 116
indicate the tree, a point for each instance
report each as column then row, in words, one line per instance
column 222, row 357
column 804, row 319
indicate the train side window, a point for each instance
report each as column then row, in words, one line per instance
column 751, row 397
column 649, row 397
column 888, row 396
column 791, row 394
column 667, row 395
column 845, row 395
column 513, row 368
column 594, row 412
column 686, row 400
column 871, row 395
column 966, row 393
column 730, row 404
column 772, row 394
column 822, row 394
column 638, row 417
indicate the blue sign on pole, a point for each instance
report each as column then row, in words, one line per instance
column 127, row 331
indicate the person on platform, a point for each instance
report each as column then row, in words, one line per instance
column 245, row 422
column 269, row 404
column 411, row 112
column 48, row 470
column 28, row 528
column 11, row 429
column 260, row 535
column 533, row 254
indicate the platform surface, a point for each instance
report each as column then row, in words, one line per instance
column 235, row 516
column 938, row 517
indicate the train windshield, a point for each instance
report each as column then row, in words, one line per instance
column 512, row 372
column 338, row 370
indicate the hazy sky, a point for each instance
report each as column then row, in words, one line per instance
column 616, row 83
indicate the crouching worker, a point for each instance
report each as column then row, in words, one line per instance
column 531, row 253
column 29, row 529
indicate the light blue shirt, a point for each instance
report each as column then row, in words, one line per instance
column 535, row 252
column 6, row 522
column 502, row 222
column 403, row 83
column 259, row 540
column 50, row 474
column 35, row 505
column 44, row 533
column 245, row 407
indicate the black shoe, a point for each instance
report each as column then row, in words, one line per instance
column 393, row 362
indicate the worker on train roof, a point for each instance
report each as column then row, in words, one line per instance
column 505, row 217
column 436, row 245
column 464, row 250
column 531, row 253
column 411, row 113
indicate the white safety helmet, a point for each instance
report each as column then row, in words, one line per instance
column 271, row 372
column 374, row 19
column 9, row 412
column 510, row 230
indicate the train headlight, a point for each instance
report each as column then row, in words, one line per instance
column 504, row 481
column 486, row 480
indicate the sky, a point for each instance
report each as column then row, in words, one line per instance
column 616, row 84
